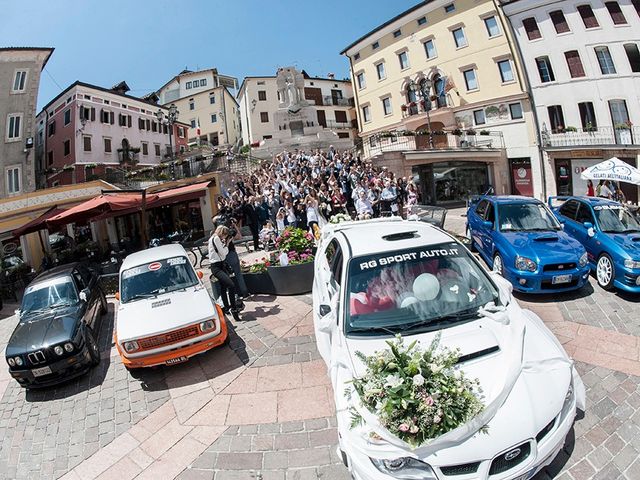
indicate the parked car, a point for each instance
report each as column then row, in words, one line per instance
column 376, row 279
column 166, row 314
column 59, row 320
column 519, row 238
column 610, row 234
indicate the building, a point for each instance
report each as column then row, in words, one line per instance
column 20, row 70
column 88, row 131
column 582, row 61
column 206, row 104
column 446, row 70
column 329, row 103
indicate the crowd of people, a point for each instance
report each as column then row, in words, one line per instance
column 606, row 189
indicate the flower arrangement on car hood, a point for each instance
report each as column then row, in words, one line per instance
column 340, row 217
column 416, row 394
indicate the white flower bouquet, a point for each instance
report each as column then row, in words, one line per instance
column 340, row 217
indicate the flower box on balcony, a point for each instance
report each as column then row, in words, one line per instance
column 404, row 108
column 439, row 132
column 457, row 132
column 485, row 132
column 570, row 129
column 470, row 132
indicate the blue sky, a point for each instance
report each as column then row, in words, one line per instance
column 146, row 42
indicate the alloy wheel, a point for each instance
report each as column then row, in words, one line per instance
column 604, row 271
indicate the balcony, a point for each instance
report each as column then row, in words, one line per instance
column 594, row 136
column 329, row 101
column 418, row 108
column 340, row 125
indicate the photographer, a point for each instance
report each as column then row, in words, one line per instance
column 220, row 269
column 227, row 220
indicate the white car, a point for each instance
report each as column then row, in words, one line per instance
column 166, row 314
column 365, row 291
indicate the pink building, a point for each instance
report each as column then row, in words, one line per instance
column 87, row 131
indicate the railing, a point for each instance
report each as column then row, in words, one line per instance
column 339, row 125
column 594, row 136
column 436, row 141
column 328, row 100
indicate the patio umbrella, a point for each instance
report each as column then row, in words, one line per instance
column 38, row 223
column 613, row 169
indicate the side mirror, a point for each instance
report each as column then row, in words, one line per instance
column 117, row 295
column 587, row 225
column 505, row 289
column 324, row 310
column 487, row 224
column 84, row 295
column 200, row 274
column 326, row 320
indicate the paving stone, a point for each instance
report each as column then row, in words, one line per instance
column 239, row 461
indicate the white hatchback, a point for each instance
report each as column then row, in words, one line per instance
column 365, row 291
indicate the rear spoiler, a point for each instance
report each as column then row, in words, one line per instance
column 554, row 202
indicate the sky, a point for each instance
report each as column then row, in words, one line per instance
column 147, row 42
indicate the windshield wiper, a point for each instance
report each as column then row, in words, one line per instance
column 444, row 319
column 373, row 329
column 151, row 294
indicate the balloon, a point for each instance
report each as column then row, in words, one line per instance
column 426, row 287
column 408, row 301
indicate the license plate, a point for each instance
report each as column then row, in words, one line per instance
column 41, row 372
column 525, row 476
column 561, row 279
column 173, row 361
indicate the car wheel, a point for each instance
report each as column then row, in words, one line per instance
column 605, row 271
column 498, row 266
column 92, row 345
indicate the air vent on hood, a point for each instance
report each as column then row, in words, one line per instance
column 635, row 239
column 400, row 236
column 546, row 238
column 478, row 354
column 161, row 303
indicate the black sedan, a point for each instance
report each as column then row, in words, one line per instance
column 55, row 339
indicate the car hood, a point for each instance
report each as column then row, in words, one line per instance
column 166, row 312
column 35, row 331
column 548, row 247
column 630, row 243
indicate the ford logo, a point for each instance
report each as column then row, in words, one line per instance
column 512, row 454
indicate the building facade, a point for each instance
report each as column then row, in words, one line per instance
column 206, row 104
column 331, row 99
column 88, row 131
column 446, row 71
column 20, row 70
column 582, row 61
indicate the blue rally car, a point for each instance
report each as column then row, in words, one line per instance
column 519, row 238
column 610, row 234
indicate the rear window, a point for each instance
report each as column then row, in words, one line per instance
column 156, row 278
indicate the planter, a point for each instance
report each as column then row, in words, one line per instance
column 289, row 280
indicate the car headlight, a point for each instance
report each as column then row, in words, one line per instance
column 405, row 468
column 18, row 361
column 208, row 325
column 130, row 346
column 584, row 259
column 628, row 263
column 568, row 399
column 58, row 350
column 68, row 347
column 11, row 362
column 525, row 264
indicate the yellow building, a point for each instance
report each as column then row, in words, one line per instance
column 439, row 97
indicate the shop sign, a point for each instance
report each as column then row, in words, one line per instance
column 586, row 153
column 522, row 178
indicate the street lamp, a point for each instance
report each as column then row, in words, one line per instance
column 423, row 89
column 169, row 119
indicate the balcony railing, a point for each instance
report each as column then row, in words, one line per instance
column 436, row 141
column 340, row 125
column 328, row 101
column 594, row 136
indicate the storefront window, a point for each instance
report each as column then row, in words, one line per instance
column 452, row 183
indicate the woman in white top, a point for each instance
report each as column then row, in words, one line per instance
column 312, row 210
column 218, row 250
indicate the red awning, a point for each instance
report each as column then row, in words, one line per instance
column 99, row 206
column 180, row 194
column 38, row 223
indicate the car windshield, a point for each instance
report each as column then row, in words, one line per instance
column 615, row 219
column 152, row 279
column 526, row 217
column 426, row 288
column 58, row 292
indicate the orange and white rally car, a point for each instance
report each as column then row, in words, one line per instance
column 166, row 314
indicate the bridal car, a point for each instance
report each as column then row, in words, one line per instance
column 378, row 283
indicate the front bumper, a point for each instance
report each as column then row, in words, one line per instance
column 627, row 279
column 542, row 282
column 61, row 371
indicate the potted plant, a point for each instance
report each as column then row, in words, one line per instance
column 485, row 132
column 623, row 126
column 68, row 168
column 439, row 132
column 470, row 131
column 404, row 108
column 570, row 129
column 590, row 128
column 407, row 133
column 457, row 132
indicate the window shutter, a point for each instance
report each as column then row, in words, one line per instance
column 148, row 124
column 588, row 17
column 559, row 21
column 93, row 114
column 574, row 63
column 102, row 115
column 140, row 124
column 616, row 14
column 129, row 121
column 111, row 118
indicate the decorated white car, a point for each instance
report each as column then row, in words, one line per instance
column 166, row 314
column 380, row 279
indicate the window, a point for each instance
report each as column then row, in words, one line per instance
column 584, row 214
column 50, row 157
column 375, row 45
column 341, row 116
column 264, row 117
column 66, row 146
column 262, row 95
column 470, row 79
column 636, row 4
column 145, row 148
column 422, row 21
column 366, row 113
column 574, row 63
column 67, row 116
column 397, row 33
column 203, row 82
column 403, row 58
column 459, row 38
column 449, row 8
column 106, row 116
column 491, row 24
column 381, row 72
column 156, row 147
column 631, row 49
column 19, row 81
column 619, row 113
column 14, row 131
column 430, row 49
column 196, row 83
column 107, row 145
column 604, row 59
column 386, row 106
column 616, row 14
column 180, row 132
column 212, row 98
column 478, row 117
column 52, row 128
column 13, row 180
column 193, row 124
column 192, row 104
column 362, row 83
column 515, row 109
column 188, row 85
column 506, row 72
column 214, row 118
column 588, row 17
column 531, row 27
column 86, row 142
column 556, row 118
column 559, row 22
column 587, row 116
column 545, row 70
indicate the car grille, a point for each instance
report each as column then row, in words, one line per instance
column 512, row 458
column 553, row 267
column 543, row 433
column 168, row 338
column 36, row 358
column 463, row 469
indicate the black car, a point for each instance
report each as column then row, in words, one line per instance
column 56, row 337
